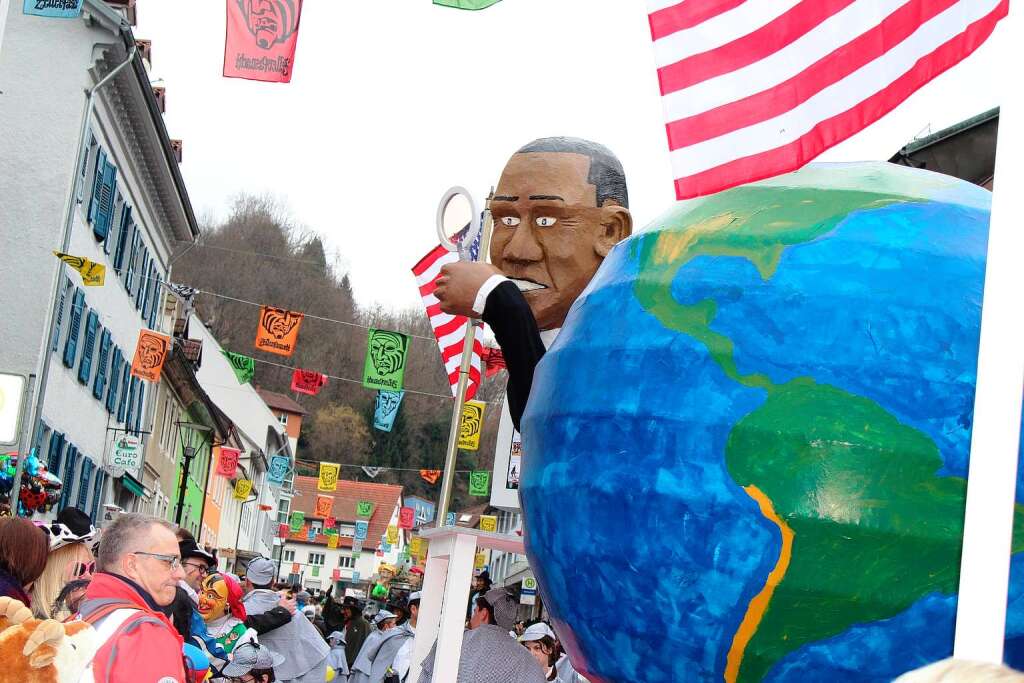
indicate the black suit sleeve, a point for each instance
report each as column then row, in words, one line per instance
column 515, row 328
column 269, row 620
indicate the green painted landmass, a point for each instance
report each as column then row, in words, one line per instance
column 875, row 529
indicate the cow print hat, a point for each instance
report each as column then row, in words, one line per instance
column 71, row 526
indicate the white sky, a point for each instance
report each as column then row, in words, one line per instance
column 394, row 101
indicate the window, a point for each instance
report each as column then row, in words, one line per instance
column 104, row 188
column 284, row 506
column 122, row 237
column 86, row 166
column 317, row 527
column 116, row 366
column 101, row 366
column 92, row 323
column 283, row 419
column 346, row 562
column 74, row 328
column 62, row 304
column 317, row 559
column 348, row 530
column 289, row 555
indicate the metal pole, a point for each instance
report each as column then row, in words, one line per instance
column 69, row 221
column 23, row 446
column 460, row 391
column 183, row 484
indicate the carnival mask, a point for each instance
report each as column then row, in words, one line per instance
column 213, row 597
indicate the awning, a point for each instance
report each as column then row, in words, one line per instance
column 133, row 485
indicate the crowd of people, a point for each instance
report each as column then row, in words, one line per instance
column 162, row 610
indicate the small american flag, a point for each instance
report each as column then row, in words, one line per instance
column 756, row 88
column 450, row 330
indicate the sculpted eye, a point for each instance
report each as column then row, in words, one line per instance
column 510, row 221
column 546, row 221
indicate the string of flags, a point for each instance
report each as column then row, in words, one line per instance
column 93, row 274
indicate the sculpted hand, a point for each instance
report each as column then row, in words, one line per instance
column 288, row 603
column 458, row 285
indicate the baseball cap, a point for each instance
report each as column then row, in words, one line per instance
column 414, row 597
column 536, row 632
column 337, row 636
column 261, row 571
column 249, row 656
column 382, row 615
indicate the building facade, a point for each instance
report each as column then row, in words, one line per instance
column 94, row 177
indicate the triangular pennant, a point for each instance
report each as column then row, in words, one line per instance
column 93, row 274
column 244, row 366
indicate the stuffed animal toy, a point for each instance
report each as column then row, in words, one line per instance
column 42, row 651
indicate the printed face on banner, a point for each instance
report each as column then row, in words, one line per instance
column 392, row 535
column 386, row 409
column 479, row 483
column 364, row 508
column 62, row 9
column 471, row 425
column 362, row 528
column 449, row 519
column 355, row 577
column 430, row 476
column 406, row 518
column 244, row 367
column 488, row 523
column 243, row 487
column 278, row 330
column 298, row 519
column 328, row 479
column 329, row 524
column 415, row 544
column 480, row 560
column 227, row 463
column 308, row 382
column 324, row 505
column 150, row 354
column 335, row 574
column 279, row 465
column 385, row 360
column 282, row 530
column 261, row 39
column 332, row 541
column 311, row 533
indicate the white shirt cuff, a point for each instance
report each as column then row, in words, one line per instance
column 485, row 291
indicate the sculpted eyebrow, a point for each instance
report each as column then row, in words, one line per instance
column 546, row 196
column 504, row 198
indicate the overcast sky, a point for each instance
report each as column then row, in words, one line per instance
column 394, row 101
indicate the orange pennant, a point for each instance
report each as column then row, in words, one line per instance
column 430, row 476
column 324, row 505
column 150, row 354
column 278, row 330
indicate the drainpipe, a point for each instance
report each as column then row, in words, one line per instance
column 69, row 220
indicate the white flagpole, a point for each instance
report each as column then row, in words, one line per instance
column 992, row 474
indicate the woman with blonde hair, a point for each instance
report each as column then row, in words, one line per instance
column 72, row 536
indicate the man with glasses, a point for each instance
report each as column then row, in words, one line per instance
column 138, row 569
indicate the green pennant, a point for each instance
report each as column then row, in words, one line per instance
column 297, row 521
column 316, row 571
column 244, row 366
column 466, row 4
column 364, row 508
column 479, row 483
column 386, row 353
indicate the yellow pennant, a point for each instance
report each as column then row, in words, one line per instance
column 393, row 534
column 332, row 541
column 480, row 560
column 328, row 479
column 414, row 545
column 471, row 425
column 243, row 487
column 93, row 274
column 488, row 523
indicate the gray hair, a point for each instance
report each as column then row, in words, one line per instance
column 605, row 174
column 124, row 535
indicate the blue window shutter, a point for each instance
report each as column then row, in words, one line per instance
column 115, row 381
column 97, row 494
column 101, row 228
column 129, row 416
column 53, row 457
column 143, row 267
column 97, row 186
column 158, row 300
column 83, row 483
column 148, row 297
column 70, row 470
column 88, row 346
column 74, row 327
column 122, row 237
column 139, row 409
column 61, row 305
column 101, row 366
column 129, row 278
column 122, row 402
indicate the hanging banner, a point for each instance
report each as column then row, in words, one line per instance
column 385, row 409
column 336, row 574
column 471, row 425
column 244, row 367
column 385, row 360
column 362, row 528
column 480, row 483
column 150, row 353
column 185, row 295
column 385, row 547
column 392, row 535
column 295, row 567
column 415, row 544
column 488, row 523
column 480, row 560
column 329, row 524
column 316, row 571
column 59, row 9
column 493, row 359
column 278, row 330
column 406, row 518
column 298, row 519
column 227, row 462
column 332, row 541
column 243, row 487
column 308, row 382
column 282, row 531
column 449, row 519
column 328, row 479
column 324, row 505
column 311, row 533
column 466, row 4
column 355, row 577
column 93, row 274
column 126, row 452
column 279, row 466
column 430, row 476
column 260, row 40
column 372, row 472
column 364, row 508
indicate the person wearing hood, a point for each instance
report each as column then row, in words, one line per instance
column 403, row 658
column 336, row 659
column 383, row 660
column 356, row 629
column 363, row 666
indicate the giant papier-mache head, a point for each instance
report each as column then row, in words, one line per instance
column 560, row 206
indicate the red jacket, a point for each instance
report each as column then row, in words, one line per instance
column 145, row 649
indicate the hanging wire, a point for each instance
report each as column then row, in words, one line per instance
column 316, row 463
column 293, row 259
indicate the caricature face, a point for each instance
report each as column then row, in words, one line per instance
column 387, row 352
column 213, row 598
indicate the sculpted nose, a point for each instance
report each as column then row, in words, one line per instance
column 523, row 247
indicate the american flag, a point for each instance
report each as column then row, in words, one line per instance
column 755, row 88
column 450, row 330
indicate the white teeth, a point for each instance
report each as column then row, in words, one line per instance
column 526, row 285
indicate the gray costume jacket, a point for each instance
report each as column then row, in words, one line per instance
column 489, row 655
column 386, row 650
column 303, row 646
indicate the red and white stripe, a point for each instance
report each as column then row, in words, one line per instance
column 450, row 330
column 755, row 88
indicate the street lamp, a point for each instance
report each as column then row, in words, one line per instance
column 189, row 452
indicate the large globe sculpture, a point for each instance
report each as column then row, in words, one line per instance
column 745, row 454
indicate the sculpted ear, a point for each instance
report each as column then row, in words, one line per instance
column 616, row 225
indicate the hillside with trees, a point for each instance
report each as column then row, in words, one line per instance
column 259, row 255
